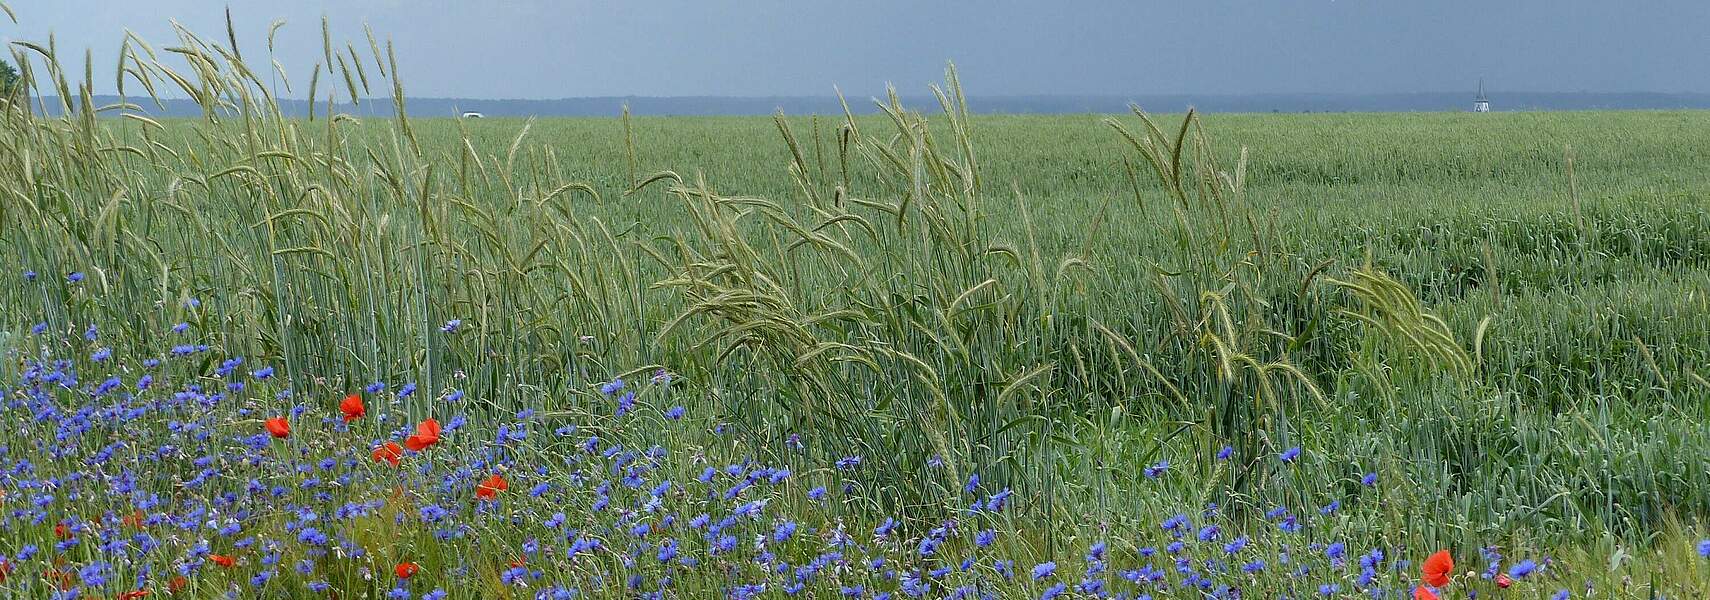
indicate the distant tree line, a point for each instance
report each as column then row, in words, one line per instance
column 11, row 86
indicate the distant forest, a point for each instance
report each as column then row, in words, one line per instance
column 802, row 105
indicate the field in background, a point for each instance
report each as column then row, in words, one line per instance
column 1439, row 201
column 1502, row 316
column 1587, row 410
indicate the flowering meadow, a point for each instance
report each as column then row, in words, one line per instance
column 189, row 472
column 330, row 349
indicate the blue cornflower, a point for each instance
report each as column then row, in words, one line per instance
column 611, row 387
column 885, row 528
column 1225, row 453
column 1236, row 545
column 784, row 531
column 1208, row 533
column 1560, row 595
column 1043, row 570
column 1154, row 471
column 451, row 326
column 1054, row 591
column 1704, row 548
column 74, row 277
column 1526, row 567
column 1369, row 480
column 263, row 373
column 1290, row 454
column 928, row 546
column 94, row 574
column 674, row 413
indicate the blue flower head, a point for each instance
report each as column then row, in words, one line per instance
column 612, row 387
column 1524, row 568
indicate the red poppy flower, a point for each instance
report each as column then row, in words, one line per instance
column 489, row 489
column 389, row 452
column 1438, row 568
column 352, row 408
column 222, row 560
column 1424, row 593
column 132, row 595
column 426, row 435
column 406, row 569
column 134, row 520
column 177, row 584
column 5, row 569
column 1502, row 581
column 61, row 531
column 277, row 427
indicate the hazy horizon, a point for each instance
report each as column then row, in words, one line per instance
column 612, row 106
column 539, row 50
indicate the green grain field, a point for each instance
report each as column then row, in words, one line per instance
column 1505, row 316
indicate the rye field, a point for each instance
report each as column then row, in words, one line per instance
column 924, row 353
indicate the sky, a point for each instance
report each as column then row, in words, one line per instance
column 576, row 48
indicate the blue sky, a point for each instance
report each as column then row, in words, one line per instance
column 547, row 49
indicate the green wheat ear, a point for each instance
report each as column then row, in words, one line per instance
column 1390, row 307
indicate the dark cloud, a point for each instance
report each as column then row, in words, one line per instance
column 548, row 49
